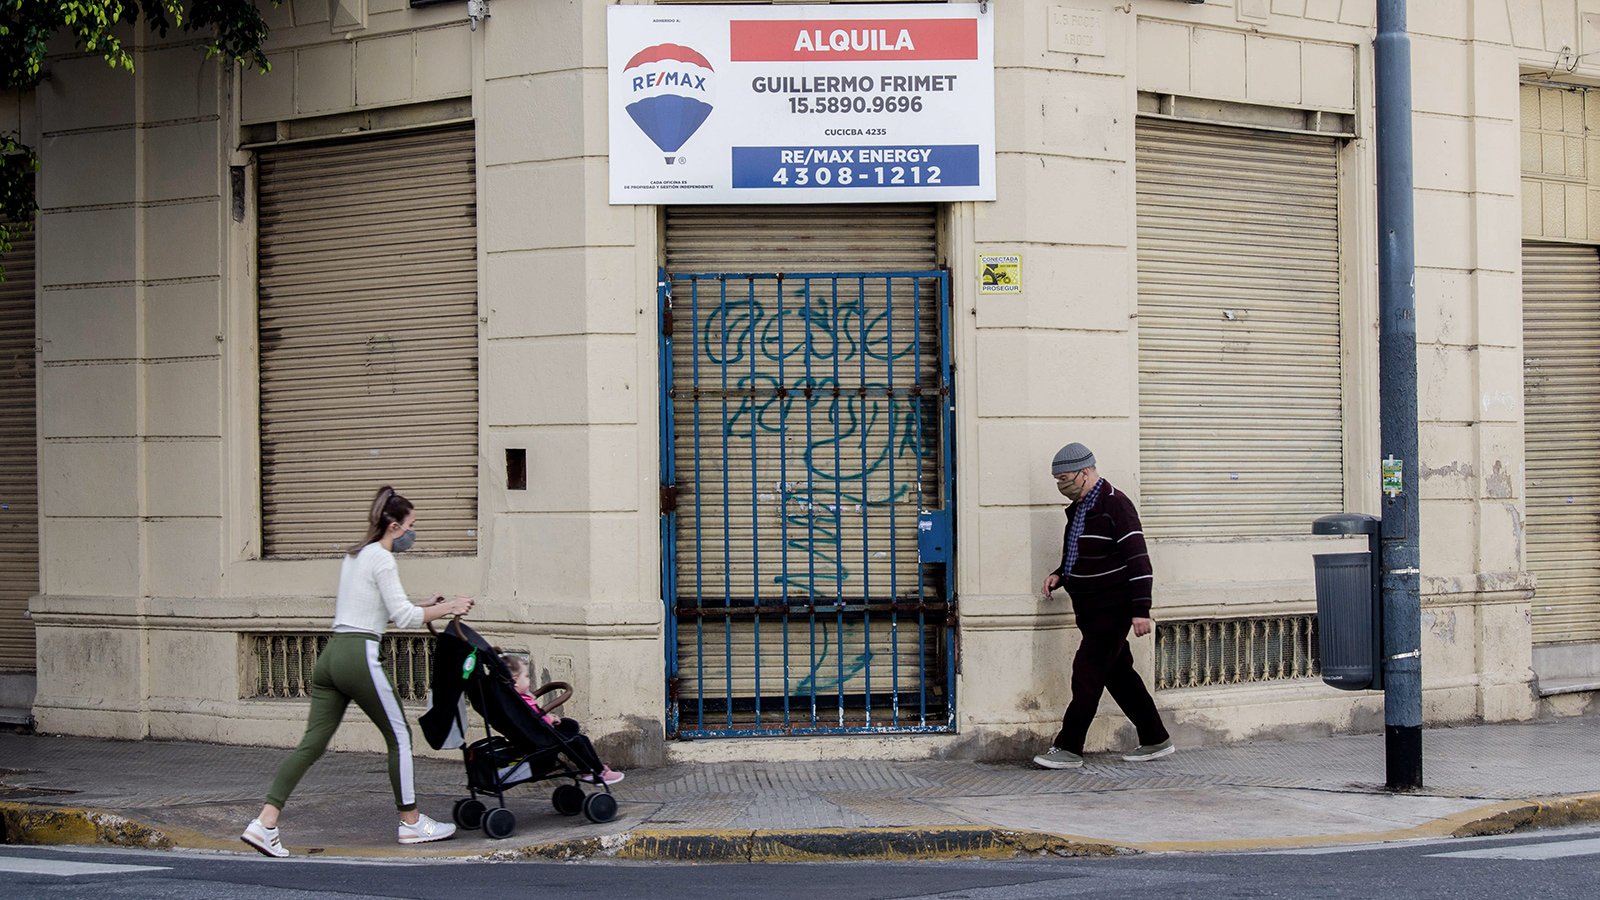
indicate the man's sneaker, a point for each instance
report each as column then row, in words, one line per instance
column 425, row 830
column 264, row 839
column 1057, row 758
column 1145, row 752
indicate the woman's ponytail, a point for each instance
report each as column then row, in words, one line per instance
column 387, row 507
column 375, row 515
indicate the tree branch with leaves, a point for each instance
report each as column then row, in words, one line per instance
column 233, row 30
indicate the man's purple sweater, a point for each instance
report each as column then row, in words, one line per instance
column 1113, row 565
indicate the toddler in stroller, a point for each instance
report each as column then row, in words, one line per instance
column 520, row 745
column 568, row 728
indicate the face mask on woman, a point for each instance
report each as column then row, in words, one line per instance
column 405, row 540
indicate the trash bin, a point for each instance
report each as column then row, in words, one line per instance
column 1349, row 606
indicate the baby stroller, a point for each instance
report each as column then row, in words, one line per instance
column 467, row 669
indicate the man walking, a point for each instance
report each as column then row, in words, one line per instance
column 1105, row 568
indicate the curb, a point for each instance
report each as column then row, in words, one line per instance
column 1531, row 815
column 23, row 823
column 818, row 844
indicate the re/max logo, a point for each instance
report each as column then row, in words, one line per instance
column 671, row 79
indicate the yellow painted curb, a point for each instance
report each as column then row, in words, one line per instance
column 22, row 823
column 1519, row 815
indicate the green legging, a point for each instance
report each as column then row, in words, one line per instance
column 349, row 669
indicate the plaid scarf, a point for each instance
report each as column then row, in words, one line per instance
column 1080, row 514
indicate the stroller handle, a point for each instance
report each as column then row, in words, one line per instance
column 454, row 621
column 564, row 695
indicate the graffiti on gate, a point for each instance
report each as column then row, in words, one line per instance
column 814, row 375
column 834, row 678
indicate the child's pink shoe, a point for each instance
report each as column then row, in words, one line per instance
column 607, row 775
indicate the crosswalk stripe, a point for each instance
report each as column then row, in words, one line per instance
column 1551, row 850
column 66, row 868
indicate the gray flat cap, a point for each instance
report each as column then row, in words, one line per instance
column 1071, row 458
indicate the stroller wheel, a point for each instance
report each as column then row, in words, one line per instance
column 499, row 823
column 468, row 812
column 567, row 799
column 600, row 807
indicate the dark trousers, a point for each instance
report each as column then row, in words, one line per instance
column 1105, row 663
column 581, row 746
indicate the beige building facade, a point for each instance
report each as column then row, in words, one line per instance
column 238, row 338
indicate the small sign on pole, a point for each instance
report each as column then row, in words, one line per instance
column 1393, row 477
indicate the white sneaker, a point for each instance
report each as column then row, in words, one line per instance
column 425, row 830
column 264, row 839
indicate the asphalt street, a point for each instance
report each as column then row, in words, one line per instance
column 1560, row 863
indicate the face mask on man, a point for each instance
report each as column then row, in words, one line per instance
column 405, row 540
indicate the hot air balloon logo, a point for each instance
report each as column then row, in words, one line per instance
column 669, row 86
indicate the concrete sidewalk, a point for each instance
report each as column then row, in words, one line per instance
column 1480, row 780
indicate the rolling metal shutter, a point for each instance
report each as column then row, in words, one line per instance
column 792, row 503
column 1561, row 387
column 369, row 339
column 19, row 457
column 861, row 237
column 1240, row 420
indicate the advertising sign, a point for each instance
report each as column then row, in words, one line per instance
column 801, row 104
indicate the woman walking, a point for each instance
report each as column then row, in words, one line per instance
column 349, row 668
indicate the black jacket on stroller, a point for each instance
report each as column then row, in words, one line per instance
column 466, row 669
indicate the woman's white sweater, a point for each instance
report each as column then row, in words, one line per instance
column 370, row 595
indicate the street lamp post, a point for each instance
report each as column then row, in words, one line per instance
column 1397, row 379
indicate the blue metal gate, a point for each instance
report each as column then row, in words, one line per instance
column 806, row 504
